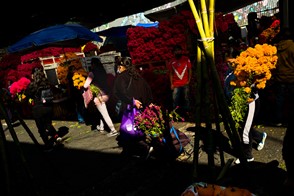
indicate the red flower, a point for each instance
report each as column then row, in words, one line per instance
column 9, row 61
column 155, row 44
column 90, row 47
column 25, row 70
column 50, row 51
column 19, row 86
column 275, row 24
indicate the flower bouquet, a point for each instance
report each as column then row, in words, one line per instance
column 95, row 90
column 152, row 121
column 79, row 78
column 17, row 89
column 252, row 70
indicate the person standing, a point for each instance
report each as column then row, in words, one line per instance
column 98, row 78
column 283, row 78
column 42, row 113
column 180, row 73
column 76, row 96
column 130, row 86
column 283, row 75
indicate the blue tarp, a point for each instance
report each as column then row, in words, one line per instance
column 67, row 35
column 155, row 24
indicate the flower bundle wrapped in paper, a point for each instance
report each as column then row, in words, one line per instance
column 252, row 69
column 17, row 88
column 152, row 121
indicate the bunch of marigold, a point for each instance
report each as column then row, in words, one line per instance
column 79, row 75
column 252, row 70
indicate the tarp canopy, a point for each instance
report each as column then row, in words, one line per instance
column 68, row 35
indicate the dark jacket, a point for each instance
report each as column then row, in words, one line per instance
column 35, row 93
column 139, row 89
column 100, row 79
column 284, row 72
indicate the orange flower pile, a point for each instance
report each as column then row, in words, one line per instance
column 80, row 74
column 254, row 66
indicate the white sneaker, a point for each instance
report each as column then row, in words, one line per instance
column 261, row 144
column 248, row 160
column 112, row 133
column 149, row 152
column 58, row 139
column 100, row 129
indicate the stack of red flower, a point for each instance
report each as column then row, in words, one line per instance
column 155, row 44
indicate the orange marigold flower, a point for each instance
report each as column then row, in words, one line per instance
column 247, row 90
column 233, row 83
column 243, row 83
column 249, row 100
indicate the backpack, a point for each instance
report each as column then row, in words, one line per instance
column 175, row 142
column 47, row 96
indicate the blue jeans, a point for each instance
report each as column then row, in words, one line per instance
column 80, row 117
column 181, row 97
column 80, row 111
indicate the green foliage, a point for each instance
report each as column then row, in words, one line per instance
column 95, row 90
column 152, row 120
column 239, row 105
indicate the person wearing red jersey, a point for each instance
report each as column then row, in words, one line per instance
column 180, row 71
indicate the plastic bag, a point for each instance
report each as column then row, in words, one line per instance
column 127, row 126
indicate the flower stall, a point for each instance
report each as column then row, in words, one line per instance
column 151, row 48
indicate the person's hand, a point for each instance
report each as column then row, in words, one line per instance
column 138, row 104
column 172, row 87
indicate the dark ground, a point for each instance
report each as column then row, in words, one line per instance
column 90, row 163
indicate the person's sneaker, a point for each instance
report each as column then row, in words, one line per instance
column 150, row 150
column 248, row 160
column 112, row 133
column 58, row 139
column 100, row 129
column 261, row 144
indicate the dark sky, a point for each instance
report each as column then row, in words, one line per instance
column 24, row 17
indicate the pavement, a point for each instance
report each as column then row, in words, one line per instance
column 90, row 163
